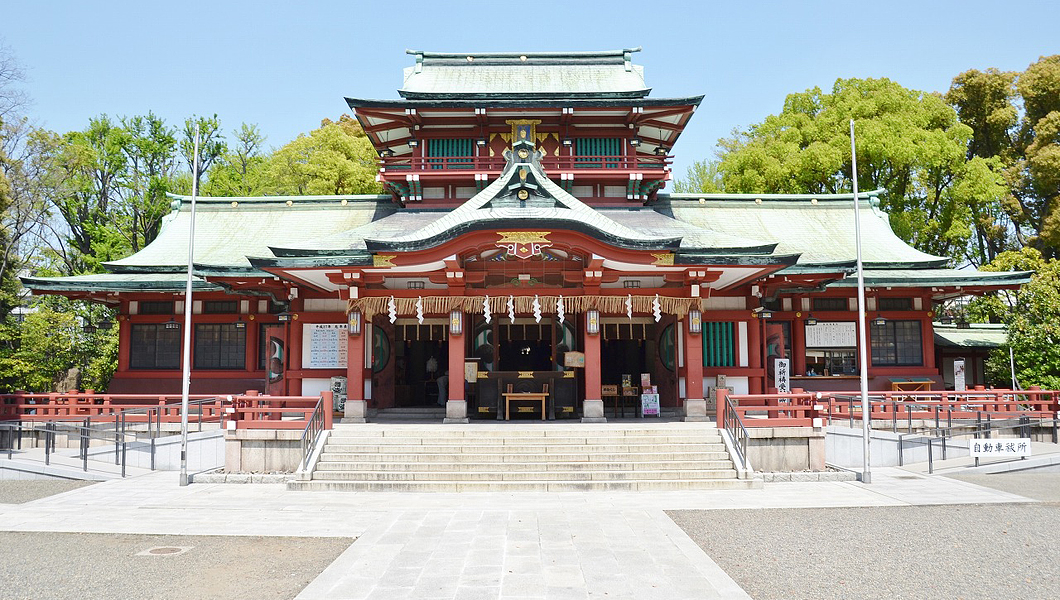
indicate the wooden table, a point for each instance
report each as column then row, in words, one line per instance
column 535, row 396
column 911, row 385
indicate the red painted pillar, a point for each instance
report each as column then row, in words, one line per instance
column 798, row 347
column 456, row 404
column 927, row 336
column 695, row 406
column 124, row 343
column 356, row 405
column 756, row 383
column 593, row 403
column 456, row 367
column 294, row 358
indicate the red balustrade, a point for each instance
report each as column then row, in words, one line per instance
column 496, row 163
column 800, row 409
column 241, row 411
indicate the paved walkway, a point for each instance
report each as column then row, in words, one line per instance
column 473, row 545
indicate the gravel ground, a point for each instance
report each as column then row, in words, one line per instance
column 15, row 491
column 105, row 566
column 1040, row 486
column 1002, row 551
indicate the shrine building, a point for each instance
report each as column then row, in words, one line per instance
column 526, row 241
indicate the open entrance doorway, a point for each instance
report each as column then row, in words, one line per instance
column 421, row 360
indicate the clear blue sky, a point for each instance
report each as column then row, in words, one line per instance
column 285, row 65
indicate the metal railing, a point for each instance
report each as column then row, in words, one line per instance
column 979, row 429
column 313, row 429
column 733, row 424
column 113, row 427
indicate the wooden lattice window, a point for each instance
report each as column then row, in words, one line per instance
column 449, row 153
column 220, row 346
column 153, row 346
column 719, row 344
column 897, row 343
column 594, row 152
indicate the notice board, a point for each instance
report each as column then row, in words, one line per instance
column 324, row 345
column 832, row 334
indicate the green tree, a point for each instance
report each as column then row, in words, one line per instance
column 88, row 172
column 150, row 151
column 909, row 143
column 243, row 170
column 1024, row 145
column 37, row 353
column 211, row 145
column 704, row 176
column 1032, row 316
column 337, row 158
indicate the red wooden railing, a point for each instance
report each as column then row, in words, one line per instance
column 801, row 409
column 240, row 411
column 496, row 163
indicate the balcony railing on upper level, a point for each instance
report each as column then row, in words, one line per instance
column 496, row 163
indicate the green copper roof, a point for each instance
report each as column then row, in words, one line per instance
column 120, row 282
column 227, row 230
column 977, row 335
column 936, row 277
column 473, row 75
column 820, row 228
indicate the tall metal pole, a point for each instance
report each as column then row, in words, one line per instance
column 186, row 388
column 863, row 351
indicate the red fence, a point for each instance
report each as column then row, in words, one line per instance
column 801, row 409
column 242, row 411
column 497, row 163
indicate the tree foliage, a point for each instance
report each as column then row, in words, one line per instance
column 1032, row 316
column 337, row 158
column 909, row 143
column 704, row 176
column 1024, row 145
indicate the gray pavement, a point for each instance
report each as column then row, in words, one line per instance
column 17, row 491
column 500, row 545
column 89, row 565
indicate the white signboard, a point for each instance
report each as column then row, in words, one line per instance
column 959, row 383
column 1004, row 448
column 832, row 334
column 782, row 372
column 649, row 405
column 324, row 345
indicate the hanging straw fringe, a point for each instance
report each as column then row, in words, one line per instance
column 440, row 305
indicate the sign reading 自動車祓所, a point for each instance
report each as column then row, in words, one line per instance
column 1003, row 448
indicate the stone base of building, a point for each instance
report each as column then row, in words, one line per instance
column 786, row 449
column 696, row 410
column 456, row 412
column 263, row 450
column 356, row 411
column 593, row 411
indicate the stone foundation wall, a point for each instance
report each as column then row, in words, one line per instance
column 262, row 450
column 786, row 449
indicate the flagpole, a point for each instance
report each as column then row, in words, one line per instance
column 186, row 388
column 863, row 356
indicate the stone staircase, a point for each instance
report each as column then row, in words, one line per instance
column 524, row 457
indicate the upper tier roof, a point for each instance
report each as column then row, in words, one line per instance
column 485, row 75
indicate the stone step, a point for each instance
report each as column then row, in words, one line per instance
column 522, row 475
column 503, row 430
column 438, row 467
column 406, row 457
column 520, row 449
column 527, row 486
column 343, row 439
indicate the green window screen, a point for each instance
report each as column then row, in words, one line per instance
column 597, row 147
column 719, row 344
column 441, row 153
